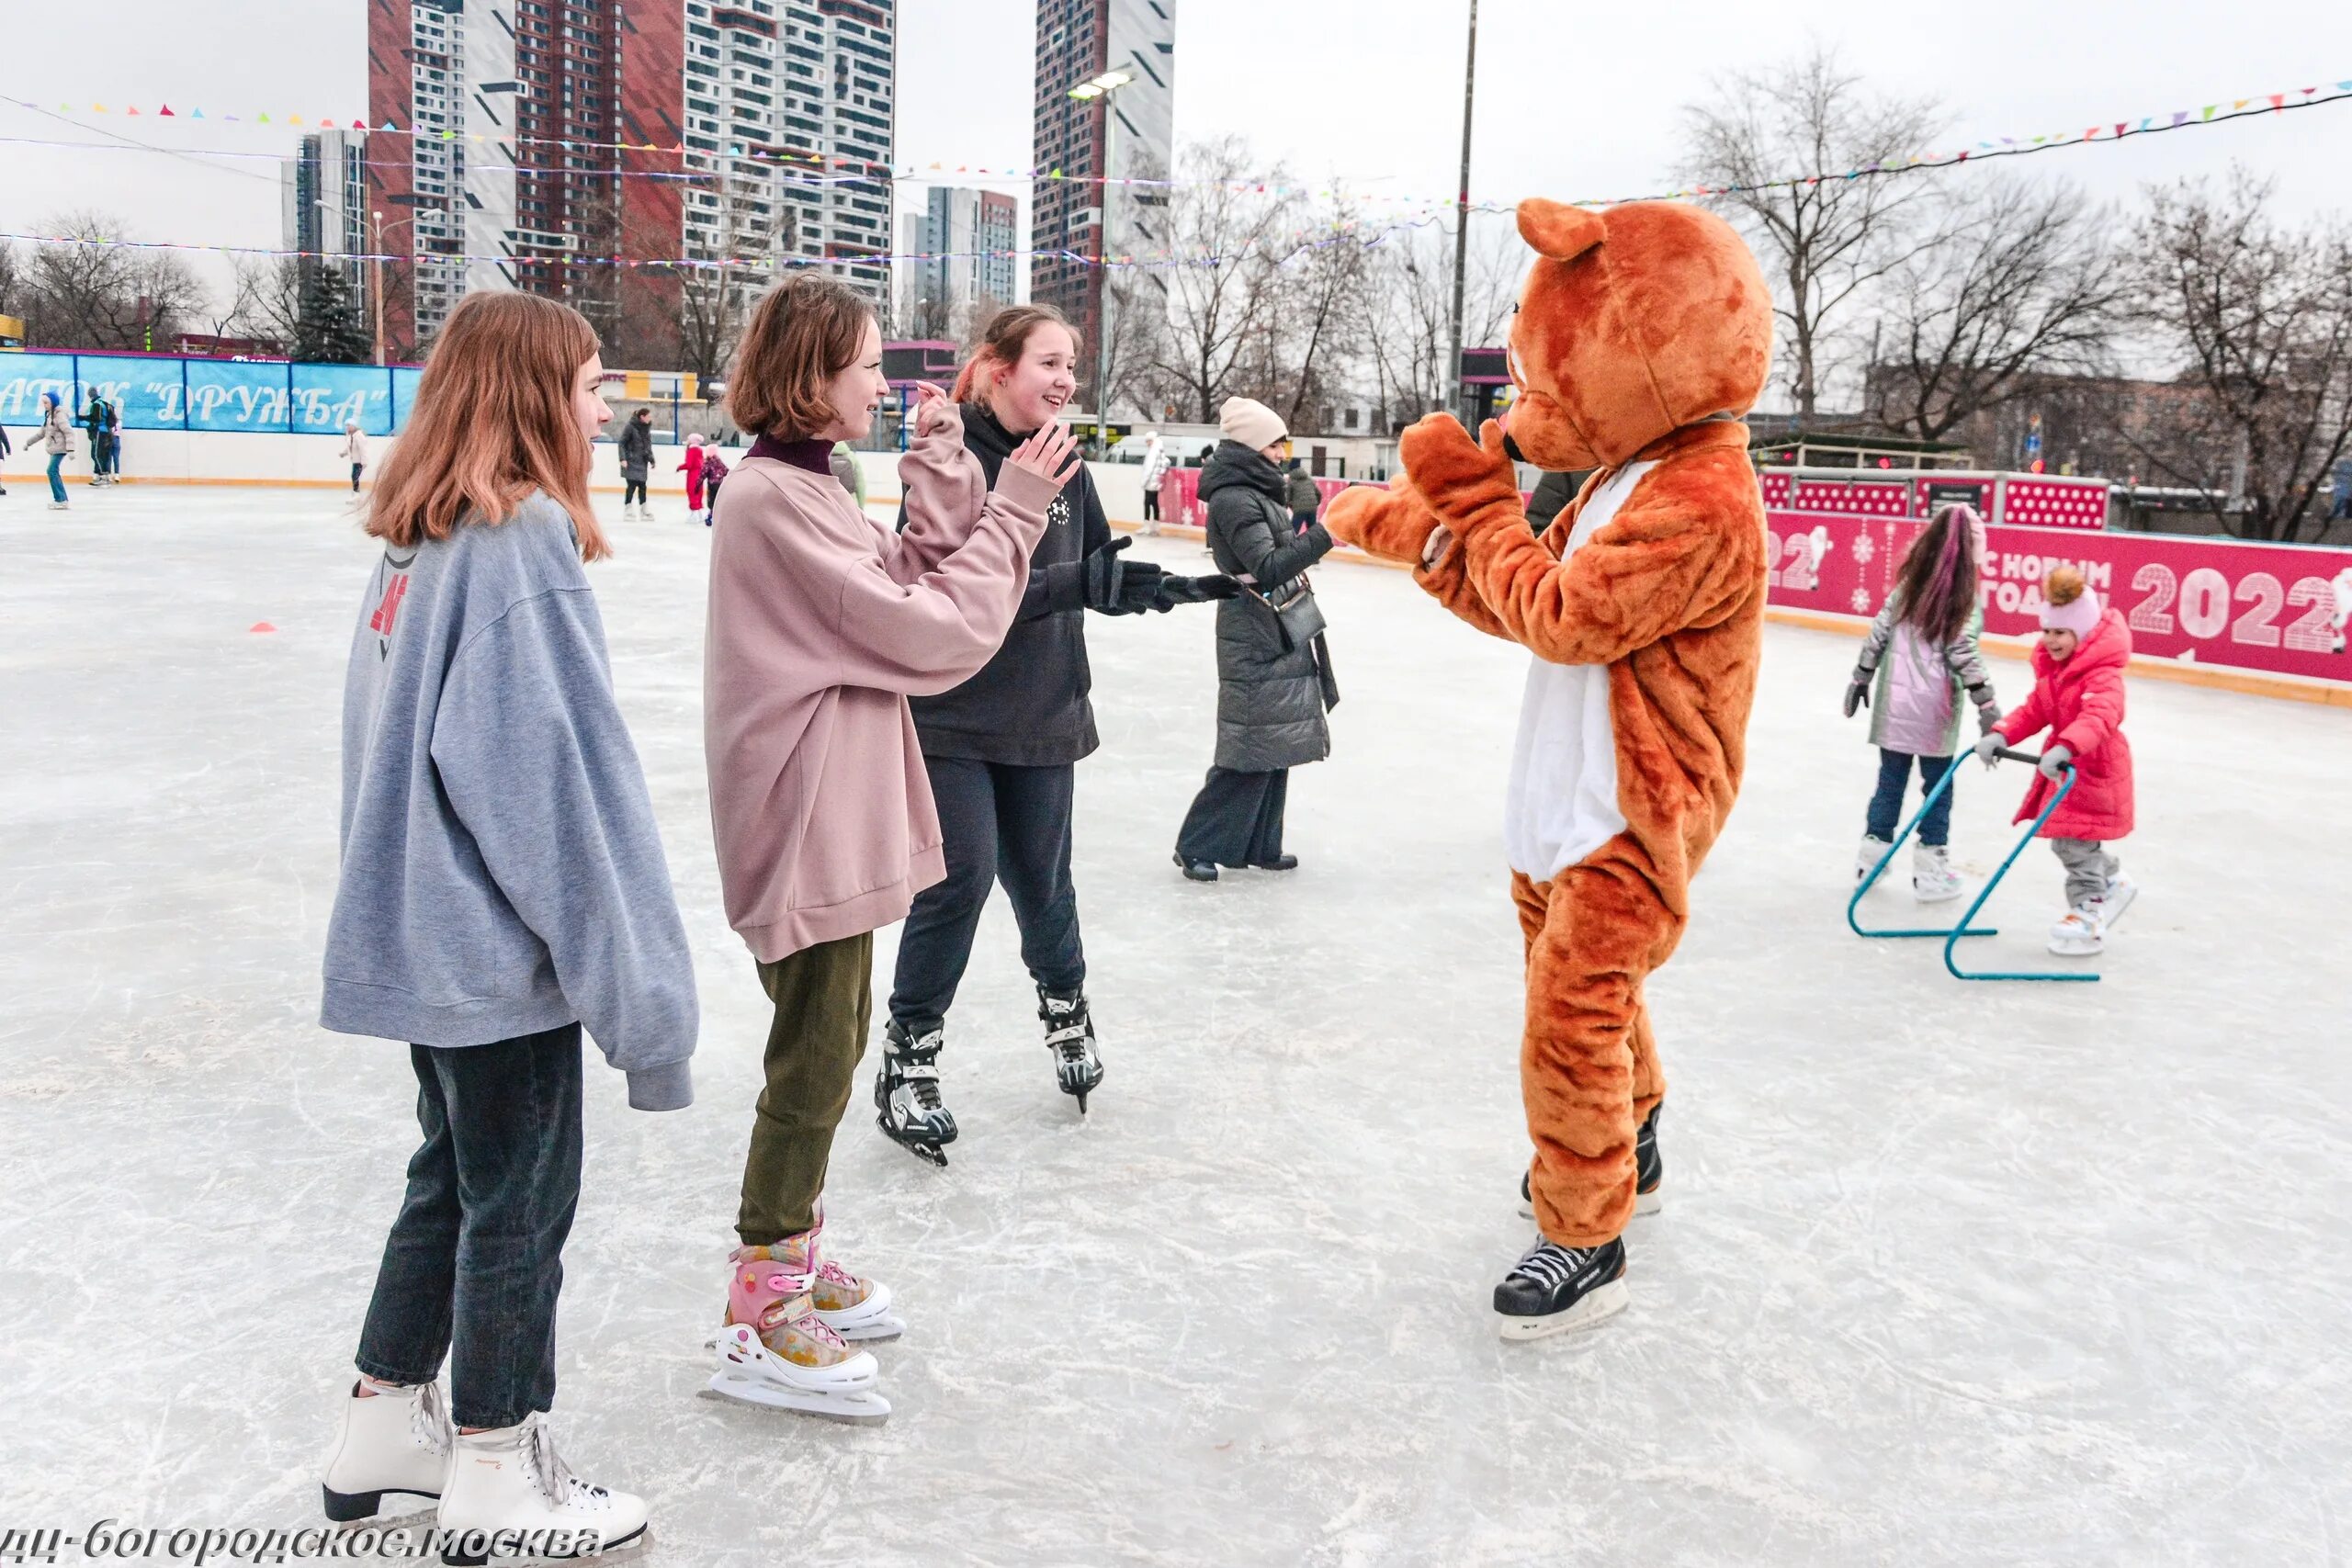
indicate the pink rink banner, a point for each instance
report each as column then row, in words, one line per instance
column 2210, row 602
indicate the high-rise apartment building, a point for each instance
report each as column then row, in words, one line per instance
column 969, row 236
column 1076, row 41
column 564, row 97
column 325, row 199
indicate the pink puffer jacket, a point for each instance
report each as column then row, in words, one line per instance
column 2080, row 702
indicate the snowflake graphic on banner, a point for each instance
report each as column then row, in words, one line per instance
column 1863, row 548
column 1861, row 600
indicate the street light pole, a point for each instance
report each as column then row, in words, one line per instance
column 376, row 267
column 1103, row 87
column 1454, row 395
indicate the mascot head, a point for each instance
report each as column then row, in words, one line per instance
column 1636, row 321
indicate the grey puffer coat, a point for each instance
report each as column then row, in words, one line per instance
column 1270, row 699
column 637, row 450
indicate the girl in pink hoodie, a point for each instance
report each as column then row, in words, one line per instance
column 822, row 624
column 2078, row 698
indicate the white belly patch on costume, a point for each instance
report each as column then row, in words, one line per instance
column 1561, row 802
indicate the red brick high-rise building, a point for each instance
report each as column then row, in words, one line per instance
column 1079, row 39
column 485, row 194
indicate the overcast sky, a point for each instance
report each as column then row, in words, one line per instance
column 1574, row 100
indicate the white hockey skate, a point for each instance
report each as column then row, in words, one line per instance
column 1933, row 881
column 511, row 1497
column 2079, row 935
column 2109, row 905
column 1866, row 859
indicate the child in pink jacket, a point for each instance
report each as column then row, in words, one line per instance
column 822, row 623
column 692, row 468
column 2078, row 697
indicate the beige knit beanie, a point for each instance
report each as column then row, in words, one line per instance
column 1251, row 422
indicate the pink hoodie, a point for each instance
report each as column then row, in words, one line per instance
column 822, row 623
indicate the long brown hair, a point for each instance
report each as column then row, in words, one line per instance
column 1940, row 582
column 1002, row 342
column 493, row 423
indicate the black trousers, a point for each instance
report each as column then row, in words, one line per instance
column 632, row 492
column 1151, row 504
column 475, row 1259
column 1003, row 824
column 1236, row 819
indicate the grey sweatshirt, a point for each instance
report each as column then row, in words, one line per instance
column 501, row 873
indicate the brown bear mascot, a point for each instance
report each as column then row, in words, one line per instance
column 1643, row 335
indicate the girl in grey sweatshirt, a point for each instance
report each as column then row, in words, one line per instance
column 502, row 887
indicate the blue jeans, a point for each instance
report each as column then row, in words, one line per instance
column 475, row 1259
column 1886, row 806
column 56, row 485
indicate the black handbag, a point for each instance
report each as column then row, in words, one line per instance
column 1298, row 618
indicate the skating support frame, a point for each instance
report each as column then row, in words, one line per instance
column 1967, row 927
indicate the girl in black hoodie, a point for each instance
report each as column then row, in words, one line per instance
column 1001, row 749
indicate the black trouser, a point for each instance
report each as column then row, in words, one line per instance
column 1002, row 823
column 354, row 476
column 475, row 1258
column 1151, row 504
column 1236, row 819
column 632, row 492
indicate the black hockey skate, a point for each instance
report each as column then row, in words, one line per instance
column 1649, row 1172
column 1555, row 1289
column 906, row 1093
column 1069, row 1035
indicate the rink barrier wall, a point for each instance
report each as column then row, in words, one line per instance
column 2223, row 613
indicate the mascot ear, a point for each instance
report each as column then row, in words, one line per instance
column 1557, row 229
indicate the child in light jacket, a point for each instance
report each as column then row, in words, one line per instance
column 822, row 623
column 1918, row 662
column 2078, row 697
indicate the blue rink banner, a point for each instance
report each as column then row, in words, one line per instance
column 162, row 392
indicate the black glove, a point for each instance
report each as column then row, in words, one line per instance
column 1857, row 691
column 1175, row 591
column 1103, row 579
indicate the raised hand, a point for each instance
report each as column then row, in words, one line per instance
column 1051, row 453
column 934, row 411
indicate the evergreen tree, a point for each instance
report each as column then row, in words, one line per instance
column 331, row 331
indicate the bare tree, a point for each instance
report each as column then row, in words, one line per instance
column 101, row 294
column 2260, row 320
column 1318, row 307
column 1407, row 303
column 2018, row 284
column 1825, row 241
column 268, row 300
column 1220, row 298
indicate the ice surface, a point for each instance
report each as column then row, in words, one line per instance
column 1947, row 1273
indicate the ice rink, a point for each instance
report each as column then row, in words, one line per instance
column 1947, row 1273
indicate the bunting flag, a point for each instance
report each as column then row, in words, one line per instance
column 822, row 170
column 1303, row 243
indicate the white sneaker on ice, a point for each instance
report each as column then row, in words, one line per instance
column 2109, row 905
column 396, row 1440
column 1866, row 859
column 2079, row 935
column 510, row 1495
column 1932, row 878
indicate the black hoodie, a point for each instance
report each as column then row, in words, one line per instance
column 1028, row 705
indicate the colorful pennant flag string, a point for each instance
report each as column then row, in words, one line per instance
column 850, row 171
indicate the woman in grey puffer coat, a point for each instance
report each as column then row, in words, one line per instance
column 1272, row 692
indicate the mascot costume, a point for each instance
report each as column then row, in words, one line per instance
column 1644, row 337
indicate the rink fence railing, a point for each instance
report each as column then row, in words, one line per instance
column 255, row 397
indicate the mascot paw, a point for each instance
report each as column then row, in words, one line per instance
column 1393, row 523
column 1440, row 456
